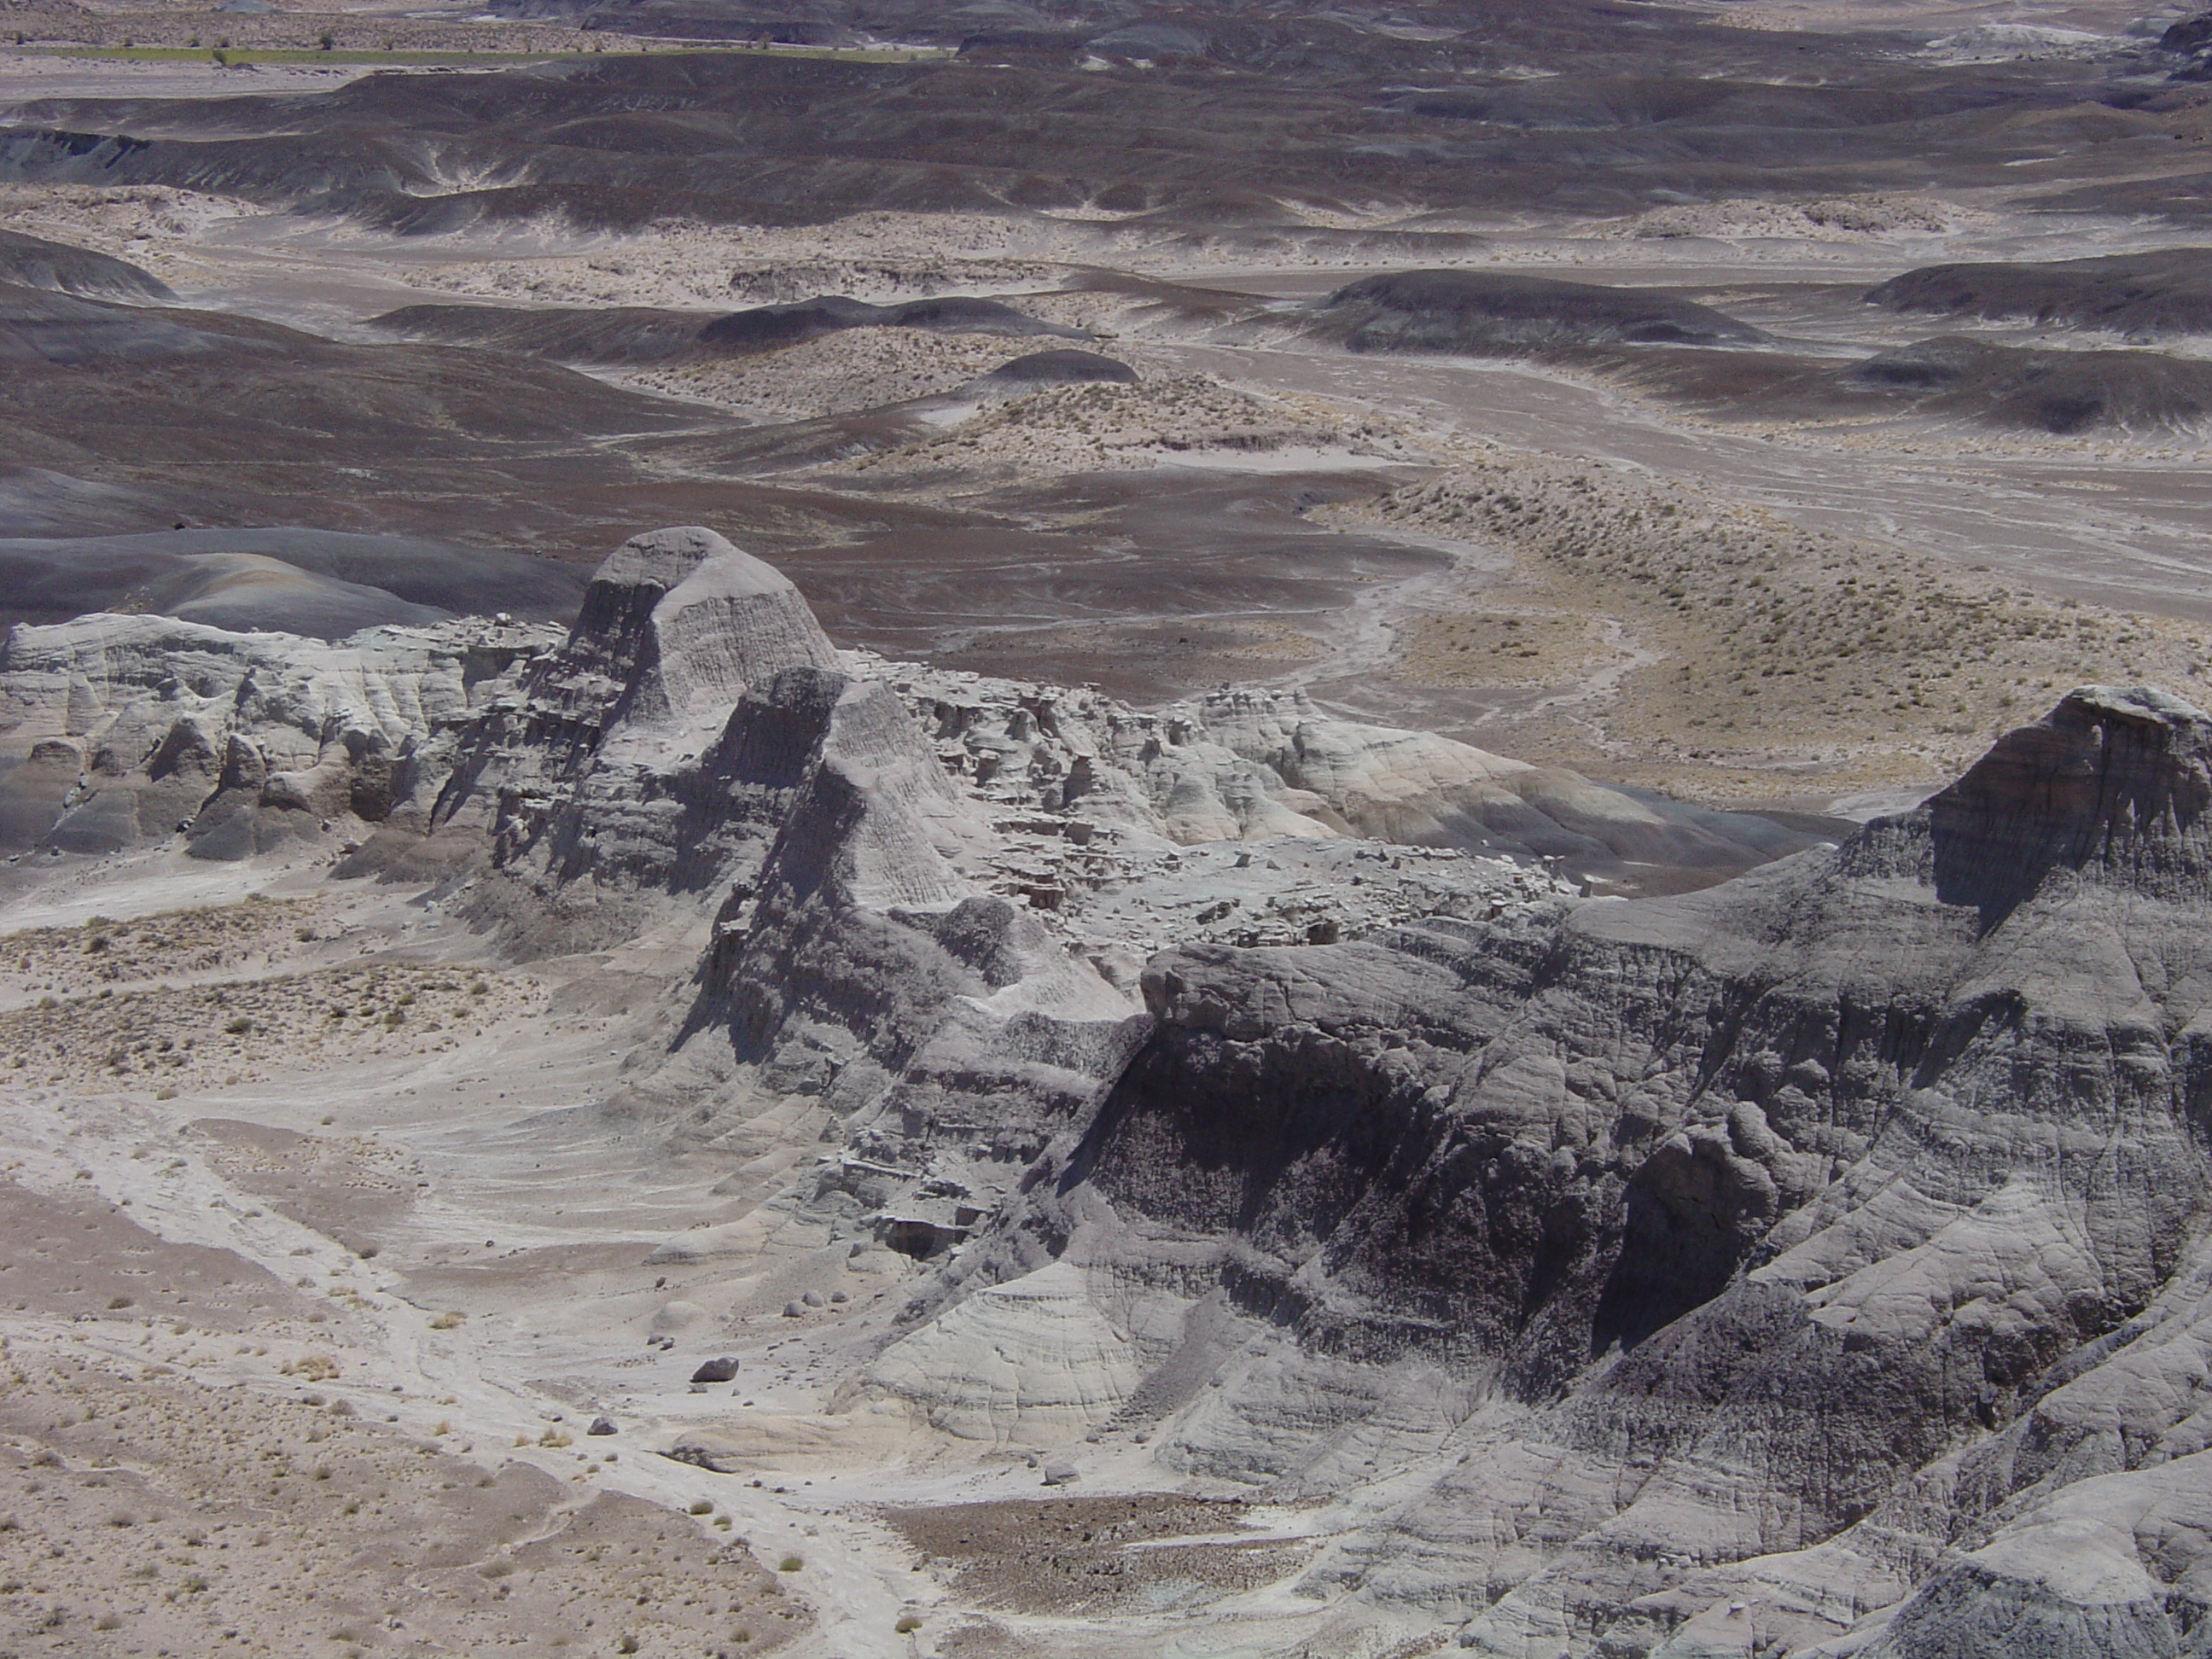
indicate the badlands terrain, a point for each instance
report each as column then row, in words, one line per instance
column 1081, row 830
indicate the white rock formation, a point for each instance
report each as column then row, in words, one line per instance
column 1816, row 1263
column 1031, row 1362
column 125, row 728
column 1256, row 764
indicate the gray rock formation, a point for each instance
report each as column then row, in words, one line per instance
column 40, row 326
column 34, row 262
column 1814, row 1263
column 1746, row 1258
column 1251, row 764
column 1485, row 312
column 127, row 730
column 281, row 580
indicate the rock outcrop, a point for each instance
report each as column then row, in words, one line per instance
column 1745, row 1258
column 1251, row 764
column 1814, row 1263
column 129, row 729
column 2190, row 40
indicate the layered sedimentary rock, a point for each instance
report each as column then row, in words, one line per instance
column 1250, row 763
column 1032, row 1361
column 1814, row 1263
column 1742, row 1259
column 128, row 730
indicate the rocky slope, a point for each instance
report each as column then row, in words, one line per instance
column 1813, row 1263
column 1722, row 1268
column 932, row 893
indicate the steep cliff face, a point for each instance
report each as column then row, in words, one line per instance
column 1727, row 1249
column 698, row 750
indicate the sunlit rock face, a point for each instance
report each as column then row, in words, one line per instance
column 1816, row 1262
column 1752, row 1229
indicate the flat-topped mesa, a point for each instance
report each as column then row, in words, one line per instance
column 2112, row 786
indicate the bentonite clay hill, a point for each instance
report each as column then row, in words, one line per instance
column 1424, row 864
column 1216, row 1111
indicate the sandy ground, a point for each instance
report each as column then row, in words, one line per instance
column 2111, row 521
column 338, row 1310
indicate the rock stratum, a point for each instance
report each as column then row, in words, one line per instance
column 1814, row 1263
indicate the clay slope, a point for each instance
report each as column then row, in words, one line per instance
column 1484, row 312
column 294, row 580
column 1813, row 1259
column 1142, row 122
column 34, row 262
column 2166, row 292
column 2058, row 392
column 1738, row 1264
column 1952, row 378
